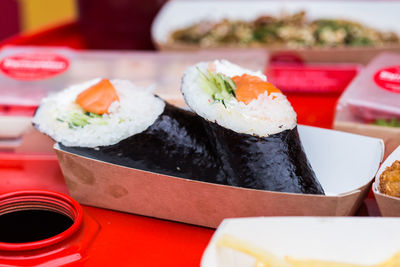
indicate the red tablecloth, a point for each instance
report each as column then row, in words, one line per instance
column 126, row 239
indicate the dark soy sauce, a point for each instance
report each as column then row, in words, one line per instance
column 32, row 225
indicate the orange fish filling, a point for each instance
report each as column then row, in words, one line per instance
column 98, row 97
column 249, row 87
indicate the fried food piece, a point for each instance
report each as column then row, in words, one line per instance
column 389, row 181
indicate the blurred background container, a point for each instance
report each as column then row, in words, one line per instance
column 105, row 24
column 21, row 16
column 122, row 21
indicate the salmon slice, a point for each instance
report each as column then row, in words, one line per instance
column 98, row 97
column 249, row 87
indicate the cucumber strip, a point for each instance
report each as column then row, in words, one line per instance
column 78, row 119
column 217, row 85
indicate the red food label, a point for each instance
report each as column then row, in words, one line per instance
column 311, row 78
column 388, row 78
column 33, row 66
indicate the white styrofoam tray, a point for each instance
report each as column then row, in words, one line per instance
column 340, row 239
column 382, row 15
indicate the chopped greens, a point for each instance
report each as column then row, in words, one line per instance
column 219, row 86
column 92, row 115
column 288, row 30
column 387, row 122
column 81, row 119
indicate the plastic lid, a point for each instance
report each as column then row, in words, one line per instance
column 375, row 92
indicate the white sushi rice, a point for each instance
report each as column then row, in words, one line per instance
column 266, row 115
column 137, row 109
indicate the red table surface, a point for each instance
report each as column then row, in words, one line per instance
column 126, row 239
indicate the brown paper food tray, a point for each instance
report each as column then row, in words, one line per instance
column 390, row 135
column 110, row 186
column 389, row 206
column 361, row 55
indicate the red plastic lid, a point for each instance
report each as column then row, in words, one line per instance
column 41, row 199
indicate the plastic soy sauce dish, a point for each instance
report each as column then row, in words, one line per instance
column 32, row 225
column 38, row 227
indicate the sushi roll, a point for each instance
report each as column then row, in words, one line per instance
column 252, row 127
column 117, row 122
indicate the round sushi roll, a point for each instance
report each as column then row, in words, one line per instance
column 117, row 122
column 98, row 112
column 252, row 127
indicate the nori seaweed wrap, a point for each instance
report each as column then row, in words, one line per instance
column 175, row 144
column 276, row 163
column 254, row 135
column 139, row 130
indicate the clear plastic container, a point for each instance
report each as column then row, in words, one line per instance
column 371, row 104
column 27, row 74
column 374, row 93
column 164, row 70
